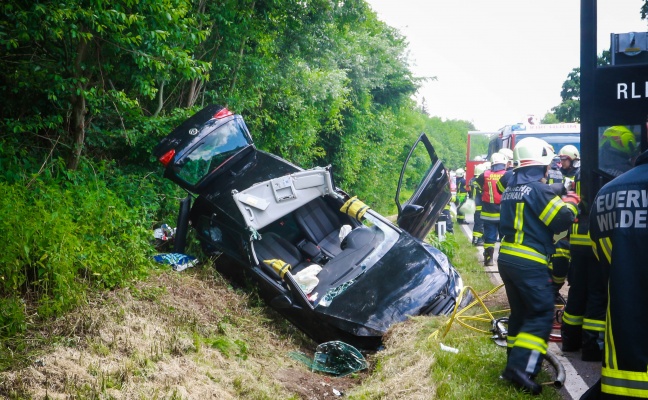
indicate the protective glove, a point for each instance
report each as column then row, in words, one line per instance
column 571, row 197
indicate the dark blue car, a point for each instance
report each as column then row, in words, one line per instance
column 331, row 265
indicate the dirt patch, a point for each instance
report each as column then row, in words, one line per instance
column 313, row 386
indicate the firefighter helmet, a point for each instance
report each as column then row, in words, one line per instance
column 480, row 168
column 569, row 152
column 498, row 158
column 460, row 173
column 621, row 139
column 532, row 151
column 508, row 153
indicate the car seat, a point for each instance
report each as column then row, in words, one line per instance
column 272, row 246
column 320, row 225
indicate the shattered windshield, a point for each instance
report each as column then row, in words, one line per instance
column 212, row 152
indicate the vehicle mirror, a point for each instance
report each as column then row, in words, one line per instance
column 281, row 301
column 411, row 210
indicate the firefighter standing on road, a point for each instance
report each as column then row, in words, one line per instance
column 490, row 214
column 530, row 215
column 569, row 173
column 619, row 230
column 476, row 194
column 583, row 323
column 462, row 195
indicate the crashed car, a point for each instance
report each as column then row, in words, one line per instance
column 324, row 260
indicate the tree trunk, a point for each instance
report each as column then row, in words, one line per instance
column 77, row 125
column 160, row 99
column 78, row 130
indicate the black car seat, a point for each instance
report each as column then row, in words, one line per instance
column 272, row 246
column 320, row 225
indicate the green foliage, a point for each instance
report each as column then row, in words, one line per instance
column 71, row 231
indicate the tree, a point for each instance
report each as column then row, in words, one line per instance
column 66, row 62
column 569, row 109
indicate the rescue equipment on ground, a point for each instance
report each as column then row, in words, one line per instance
column 498, row 326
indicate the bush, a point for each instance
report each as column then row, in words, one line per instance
column 67, row 232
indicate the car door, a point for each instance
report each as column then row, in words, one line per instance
column 423, row 189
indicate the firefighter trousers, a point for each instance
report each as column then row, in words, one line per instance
column 584, row 318
column 530, row 294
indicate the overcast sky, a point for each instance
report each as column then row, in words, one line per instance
column 498, row 61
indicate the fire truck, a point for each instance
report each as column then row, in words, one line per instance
column 482, row 144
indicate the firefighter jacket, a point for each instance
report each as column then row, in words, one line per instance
column 619, row 232
column 554, row 176
column 490, row 196
column 475, row 192
column 462, row 192
column 573, row 174
column 530, row 215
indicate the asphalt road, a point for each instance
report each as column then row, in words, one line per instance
column 580, row 374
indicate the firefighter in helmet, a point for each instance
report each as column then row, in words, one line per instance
column 531, row 213
column 569, row 173
column 462, row 194
column 475, row 193
column 583, row 322
column 619, row 231
column 617, row 150
column 490, row 214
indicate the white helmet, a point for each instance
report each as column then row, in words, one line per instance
column 498, row 158
column 508, row 153
column 480, row 168
column 478, row 158
column 532, row 151
column 570, row 152
column 460, row 173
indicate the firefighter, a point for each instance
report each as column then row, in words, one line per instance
column 475, row 193
column 462, row 195
column 617, row 150
column 531, row 213
column 490, row 214
column 583, row 322
column 619, row 232
column 446, row 214
column 568, row 176
column 508, row 153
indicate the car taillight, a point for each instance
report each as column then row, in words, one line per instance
column 222, row 113
column 166, row 158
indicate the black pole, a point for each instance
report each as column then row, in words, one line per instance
column 589, row 130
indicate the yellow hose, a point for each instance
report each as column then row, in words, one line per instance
column 458, row 314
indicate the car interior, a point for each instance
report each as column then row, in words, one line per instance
column 311, row 235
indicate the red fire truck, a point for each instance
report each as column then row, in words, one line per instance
column 482, row 144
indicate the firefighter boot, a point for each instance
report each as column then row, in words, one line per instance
column 488, row 256
column 480, row 242
column 521, row 379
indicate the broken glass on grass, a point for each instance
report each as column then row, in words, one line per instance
column 335, row 358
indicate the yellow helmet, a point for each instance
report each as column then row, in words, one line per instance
column 570, row 152
column 619, row 138
column 532, row 151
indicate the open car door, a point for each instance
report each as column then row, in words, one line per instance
column 423, row 189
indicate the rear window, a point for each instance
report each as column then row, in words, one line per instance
column 213, row 151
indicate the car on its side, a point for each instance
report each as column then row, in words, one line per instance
column 278, row 224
